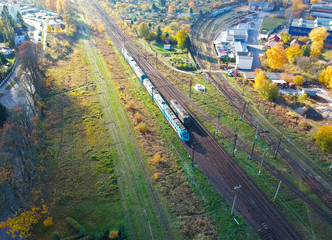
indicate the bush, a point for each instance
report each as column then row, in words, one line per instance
column 302, row 98
column 269, row 91
column 48, row 222
column 3, row 113
column 137, row 118
column 76, row 226
column 142, row 127
column 114, row 234
column 323, row 138
column 56, row 235
column 130, row 106
column 298, row 80
column 305, row 125
column 156, row 158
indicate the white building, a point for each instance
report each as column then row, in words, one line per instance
column 19, row 36
column 12, row 9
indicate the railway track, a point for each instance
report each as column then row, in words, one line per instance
column 212, row 159
column 287, row 150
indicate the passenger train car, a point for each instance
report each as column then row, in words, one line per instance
column 158, row 98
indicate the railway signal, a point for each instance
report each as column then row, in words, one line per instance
column 260, row 167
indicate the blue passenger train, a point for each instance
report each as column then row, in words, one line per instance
column 158, row 98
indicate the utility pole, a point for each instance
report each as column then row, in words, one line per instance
column 244, row 84
column 330, row 167
column 152, row 95
column 268, row 111
column 193, row 155
column 276, row 152
column 234, row 147
column 243, row 111
column 217, row 129
column 259, row 119
column 252, row 149
column 156, row 59
column 190, row 84
column 234, row 201
column 260, row 167
column 275, row 196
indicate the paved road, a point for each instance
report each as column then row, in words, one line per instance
column 12, row 98
column 253, row 43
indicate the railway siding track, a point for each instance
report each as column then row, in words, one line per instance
column 235, row 98
column 217, row 163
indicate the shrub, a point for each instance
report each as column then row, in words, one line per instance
column 156, row 158
column 137, row 118
column 304, row 125
column 76, row 226
column 130, row 106
column 109, row 43
column 269, row 91
column 113, row 235
column 302, row 98
column 298, row 80
column 3, row 113
column 292, row 115
column 323, row 138
column 56, row 235
column 142, row 127
column 48, row 222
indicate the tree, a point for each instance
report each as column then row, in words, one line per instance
column 316, row 48
column 20, row 21
column 259, row 78
column 153, row 6
column 159, row 33
column 3, row 59
column 285, row 37
column 302, row 98
column 325, row 77
column 276, row 56
column 181, row 36
column 170, row 9
column 314, row 1
column 191, row 10
column 143, row 30
column 298, row 80
column 318, row 34
column 306, row 50
column 162, row 3
column 269, row 91
column 8, row 25
column 3, row 114
column 323, row 138
column 292, row 51
column 187, row 43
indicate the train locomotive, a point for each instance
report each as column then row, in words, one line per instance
column 166, row 110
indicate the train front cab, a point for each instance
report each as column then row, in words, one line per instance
column 185, row 136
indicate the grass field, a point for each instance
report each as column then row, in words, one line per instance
column 269, row 23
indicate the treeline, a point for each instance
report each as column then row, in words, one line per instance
column 7, row 25
column 62, row 7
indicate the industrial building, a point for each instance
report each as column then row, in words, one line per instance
column 302, row 27
column 261, row 6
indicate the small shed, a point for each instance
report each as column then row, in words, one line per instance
column 167, row 45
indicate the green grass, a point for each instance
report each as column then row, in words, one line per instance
column 269, row 23
column 159, row 47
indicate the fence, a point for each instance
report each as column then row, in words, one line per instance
column 9, row 74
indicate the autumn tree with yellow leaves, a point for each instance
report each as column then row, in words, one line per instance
column 276, row 56
column 292, row 51
column 325, row 77
column 323, row 138
column 259, row 78
column 317, row 36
